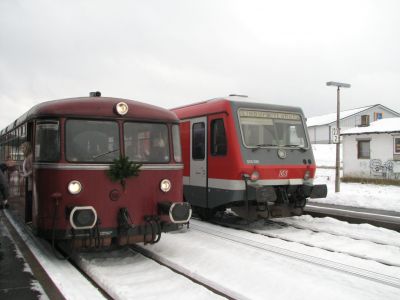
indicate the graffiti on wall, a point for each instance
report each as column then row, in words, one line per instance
column 389, row 169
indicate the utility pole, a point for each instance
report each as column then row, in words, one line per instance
column 337, row 140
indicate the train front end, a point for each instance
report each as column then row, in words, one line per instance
column 277, row 165
column 115, row 180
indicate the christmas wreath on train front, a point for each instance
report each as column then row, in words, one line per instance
column 121, row 169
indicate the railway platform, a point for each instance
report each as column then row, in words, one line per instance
column 16, row 278
column 381, row 218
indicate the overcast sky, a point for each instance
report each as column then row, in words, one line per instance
column 171, row 52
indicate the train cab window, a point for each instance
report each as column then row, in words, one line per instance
column 47, row 141
column 272, row 129
column 91, row 141
column 146, row 142
column 176, row 140
column 218, row 137
column 198, row 141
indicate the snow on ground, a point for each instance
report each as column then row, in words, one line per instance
column 128, row 275
column 256, row 274
column 387, row 253
column 385, row 197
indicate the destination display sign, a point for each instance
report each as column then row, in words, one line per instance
column 268, row 115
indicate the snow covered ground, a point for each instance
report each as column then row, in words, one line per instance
column 256, row 274
column 252, row 273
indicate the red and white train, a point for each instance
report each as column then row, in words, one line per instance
column 74, row 143
column 253, row 158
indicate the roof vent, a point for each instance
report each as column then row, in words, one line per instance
column 236, row 95
column 95, row 94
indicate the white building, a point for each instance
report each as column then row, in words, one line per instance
column 372, row 151
column 319, row 128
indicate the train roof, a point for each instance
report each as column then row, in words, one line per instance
column 221, row 104
column 94, row 107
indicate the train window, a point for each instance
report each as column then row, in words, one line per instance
column 146, row 142
column 47, row 141
column 272, row 129
column 176, row 140
column 91, row 141
column 198, row 141
column 218, row 137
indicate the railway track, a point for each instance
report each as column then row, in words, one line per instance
column 325, row 263
column 376, row 239
column 135, row 273
column 289, row 231
column 72, row 277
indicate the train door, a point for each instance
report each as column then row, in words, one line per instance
column 198, row 161
column 28, row 186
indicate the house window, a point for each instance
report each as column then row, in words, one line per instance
column 377, row 116
column 363, row 149
column 397, row 145
column 365, row 120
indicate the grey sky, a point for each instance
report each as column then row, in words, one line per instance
column 171, row 53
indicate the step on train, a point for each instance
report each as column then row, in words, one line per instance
column 75, row 197
column 252, row 158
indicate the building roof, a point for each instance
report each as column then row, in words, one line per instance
column 330, row 118
column 388, row 125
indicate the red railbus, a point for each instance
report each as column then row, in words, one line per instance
column 253, row 158
column 74, row 143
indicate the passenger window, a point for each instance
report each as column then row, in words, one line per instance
column 176, row 139
column 47, row 141
column 198, row 141
column 91, row 141
column 218, row 138
column 146, row 142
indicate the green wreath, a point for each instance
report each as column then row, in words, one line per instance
column 121, row 169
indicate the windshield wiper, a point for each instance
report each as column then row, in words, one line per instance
column 105, row 153
column 294, row 146
column 262, row 145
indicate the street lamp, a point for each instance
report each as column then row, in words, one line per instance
column 337, row 173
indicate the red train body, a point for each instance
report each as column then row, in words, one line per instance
column 251, row 157
column 75, row 141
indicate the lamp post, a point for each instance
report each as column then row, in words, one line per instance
column 337, row 173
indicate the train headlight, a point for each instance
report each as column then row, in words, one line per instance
column 74, row 187
column 165, row 185
column 282, row 153
column 122, row 108
column 307, row 175
column 254, row 176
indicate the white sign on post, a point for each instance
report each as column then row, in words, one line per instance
column 335, row 135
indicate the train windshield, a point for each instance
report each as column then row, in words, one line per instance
column 91, row 141
column 146, row 142
column 271, row 129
